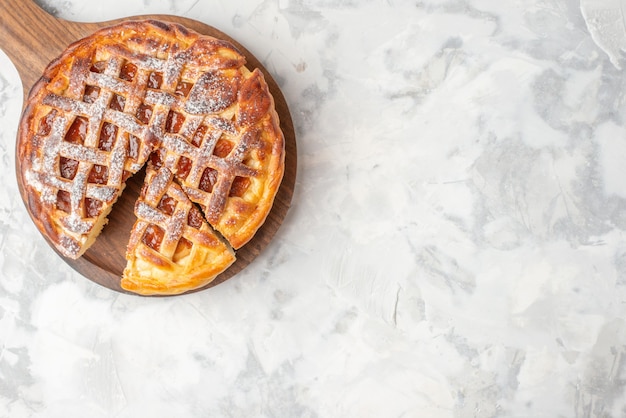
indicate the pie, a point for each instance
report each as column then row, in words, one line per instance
column 156, row 94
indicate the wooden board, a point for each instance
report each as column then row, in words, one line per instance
column 32, row 38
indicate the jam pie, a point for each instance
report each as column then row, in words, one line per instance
column 152, row 93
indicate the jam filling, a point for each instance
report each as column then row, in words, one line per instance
column 167, row 205
column 63, row 201
column 183, row 167
column 208, row 179
column 91, row 94
column 153, row 237
column 155, row 80
column 174, row 122
column 98, row 67
column 92, row 207
column 99, row 174
column 144, row 113
column 239, row 186
column 197, row 137
column 194, row 219
column 108, row 133
column 183, row 88
column 45, row 123
column 78, row 131
column 117, row 102
column 133, row 147
column 156, row 159
column 68, row 168
column 222, row 148
column 128, row 71
column 183, row 248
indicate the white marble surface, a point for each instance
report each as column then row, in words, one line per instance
column 455, row 248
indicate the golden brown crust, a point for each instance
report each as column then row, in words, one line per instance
column 243, row 143
column 114, row 98
column 171, row 248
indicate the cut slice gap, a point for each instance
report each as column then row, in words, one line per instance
column 199, row 218
column 101, row 221
column 118, row 222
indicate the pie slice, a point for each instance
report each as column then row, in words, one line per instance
column 171, row 249
column 232, row 164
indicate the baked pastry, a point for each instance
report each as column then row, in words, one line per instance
column 140, row 91
column 171, row 249
column 230, row 161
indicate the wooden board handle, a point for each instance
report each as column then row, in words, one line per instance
column 28, row 48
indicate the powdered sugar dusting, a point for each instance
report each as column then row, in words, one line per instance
column 147, row 212
column 222, row 124
column 108, row 82
column 119, row 155
column 69, row 246
column 82, row 153
column 66, row 104
column 102, row 193
column 75, row 223
column 157, row 185
column 172, row 71
column 32, row 178
column 161, row 98
column 51, row 144
column 77, row 189
column 176, row 227
column 212, row 93
column 126, row 122
column 178, row 145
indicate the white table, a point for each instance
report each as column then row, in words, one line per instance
column 455, row 246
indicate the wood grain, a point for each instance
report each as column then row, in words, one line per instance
column 32, row 38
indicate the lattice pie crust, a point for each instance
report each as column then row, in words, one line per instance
column 155, row 93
